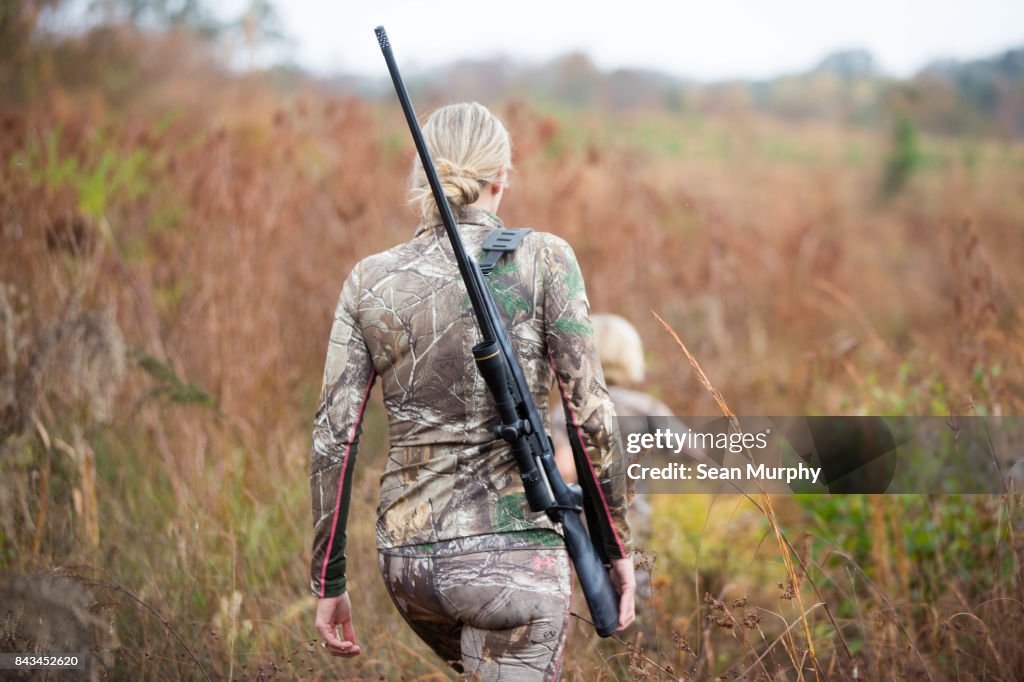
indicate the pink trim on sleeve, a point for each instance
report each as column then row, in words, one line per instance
column 341, row 481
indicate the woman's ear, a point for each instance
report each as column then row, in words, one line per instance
column 501, row 183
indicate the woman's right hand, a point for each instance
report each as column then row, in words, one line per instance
column 624, row 581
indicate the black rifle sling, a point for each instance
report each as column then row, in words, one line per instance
column 498, row 242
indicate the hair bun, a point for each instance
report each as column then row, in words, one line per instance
column 461, row 185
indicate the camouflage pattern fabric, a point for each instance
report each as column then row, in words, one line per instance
column 493, row 607
column 404, row 316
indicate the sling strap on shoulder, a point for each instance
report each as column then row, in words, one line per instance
column 498, row 242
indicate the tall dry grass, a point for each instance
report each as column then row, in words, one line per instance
column 174, row 243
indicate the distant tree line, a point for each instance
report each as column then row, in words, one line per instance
column 980, row 97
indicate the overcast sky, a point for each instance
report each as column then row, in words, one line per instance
column 707, row 40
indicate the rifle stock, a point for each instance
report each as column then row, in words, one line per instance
column 521, row 425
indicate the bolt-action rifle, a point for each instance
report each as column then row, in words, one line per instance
column 521, row 425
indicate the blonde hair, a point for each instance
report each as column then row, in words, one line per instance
column 470, row 148
column 620, row 348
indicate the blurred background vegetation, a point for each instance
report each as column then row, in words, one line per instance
column 175, row 225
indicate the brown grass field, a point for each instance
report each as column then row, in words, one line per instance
column 172, row 243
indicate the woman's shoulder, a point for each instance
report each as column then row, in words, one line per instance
column 547, row 239
column 548, row 244
column 554, row 251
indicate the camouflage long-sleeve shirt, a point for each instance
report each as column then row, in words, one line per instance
column 404, row 316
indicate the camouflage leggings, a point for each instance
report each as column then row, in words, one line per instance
column 494, row 607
